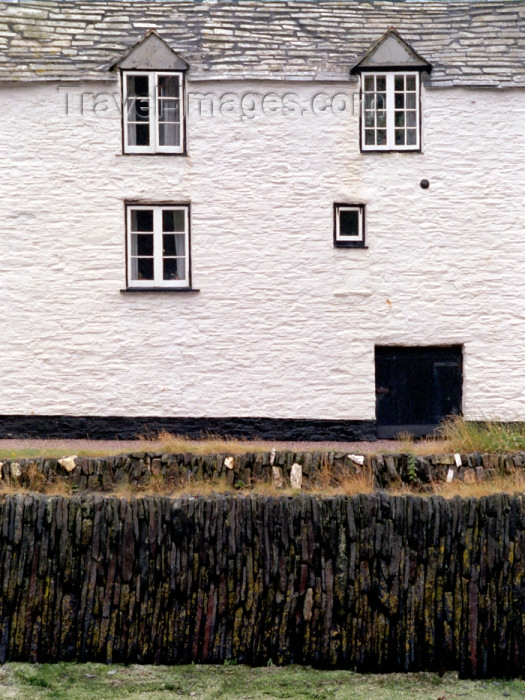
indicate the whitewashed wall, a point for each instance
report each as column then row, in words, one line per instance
column 284, row 324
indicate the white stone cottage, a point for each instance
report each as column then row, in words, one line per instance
column 279, row 218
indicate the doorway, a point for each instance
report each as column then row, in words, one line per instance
column 416, row 387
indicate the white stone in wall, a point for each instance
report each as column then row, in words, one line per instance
column 68, row 463
column 277, row 477
column 296, row 476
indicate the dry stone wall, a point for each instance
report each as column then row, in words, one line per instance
column 372, row 582
column 102, row 474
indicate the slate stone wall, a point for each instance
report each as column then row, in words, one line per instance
column 369, row 582
column 138, row 468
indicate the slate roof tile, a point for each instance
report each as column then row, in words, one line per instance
column 465, row 41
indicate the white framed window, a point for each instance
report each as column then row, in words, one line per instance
column 158, row 246
column 153, row 118
column 390, row 111
column 349, row 225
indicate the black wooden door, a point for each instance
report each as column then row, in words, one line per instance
column 416, row 387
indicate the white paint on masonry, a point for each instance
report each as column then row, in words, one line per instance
column 284, row 324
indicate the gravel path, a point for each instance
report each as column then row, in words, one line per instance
column 72, row 446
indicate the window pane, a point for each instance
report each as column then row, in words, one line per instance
column 381, row 83
column 138, row 109
column 173, row 244
column 411, row 118
column 138, row 134
column 168, row 85
column 348, row 223
column 381, row 137
column 169, row 134
column 399, row 81
column 370, row 138
column 173, row 268
column 369, row 101
column 411, row 137
column 381, row 119
column 411, row 101
column 369, row 119
column 399, row 100
column 173, row 220
column 142, row 244
column 411, row 82
column 169, row 111
column 142, row 219
column 142, row 268
column 400, row 137
column 369, row 83
column 399, row 119
column 381, row 100
column 138, row 85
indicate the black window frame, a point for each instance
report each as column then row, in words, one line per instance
column 343, row 243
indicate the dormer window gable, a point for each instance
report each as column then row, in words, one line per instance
column 390, row 76
column 153, row 86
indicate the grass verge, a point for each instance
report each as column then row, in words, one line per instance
column 69, row 681
column 487, row 436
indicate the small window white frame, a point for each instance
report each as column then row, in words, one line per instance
column 342, row 241
column 390, row 145
column 158, row 282
column 153, row 96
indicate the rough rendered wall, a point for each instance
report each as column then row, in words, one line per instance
column 368, row 582
column 284, row 324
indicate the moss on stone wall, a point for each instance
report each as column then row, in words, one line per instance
column 373, row 582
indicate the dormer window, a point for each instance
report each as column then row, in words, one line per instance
column 390, row 111
column 390, row 95
column 153, row 97
column 153, row 112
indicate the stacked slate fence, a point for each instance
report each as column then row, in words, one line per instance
column 371, row 582
column 244, row 470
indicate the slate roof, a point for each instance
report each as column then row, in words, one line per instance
column 468, row 43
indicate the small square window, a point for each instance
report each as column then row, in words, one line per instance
column 349, row 225
column 158, row 245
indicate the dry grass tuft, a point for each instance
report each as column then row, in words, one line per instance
column 32, row 480
column 158, row 485
column 56, row 488
column 209, row 444
column 513, row 483
column 330, row 481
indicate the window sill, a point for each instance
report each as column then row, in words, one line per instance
column 340, row 244
column 170, row 290
column 391, row 150
column 181, row 153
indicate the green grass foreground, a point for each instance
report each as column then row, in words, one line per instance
column 69, row 681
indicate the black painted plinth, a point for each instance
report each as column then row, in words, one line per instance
column 130, row 428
